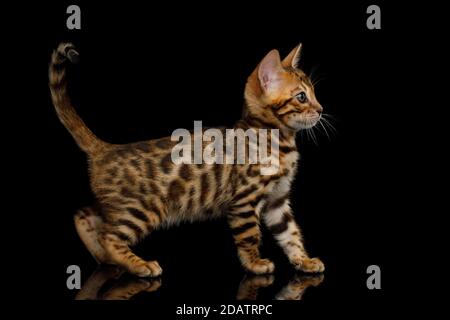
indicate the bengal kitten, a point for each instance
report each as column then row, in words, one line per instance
column 138, row 188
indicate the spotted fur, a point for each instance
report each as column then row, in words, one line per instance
column 138, row 188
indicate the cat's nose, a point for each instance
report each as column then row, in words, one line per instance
column 318, row 108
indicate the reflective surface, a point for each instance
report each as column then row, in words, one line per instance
column 112, row 283
column 346, row 217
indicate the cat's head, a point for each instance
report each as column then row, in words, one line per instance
column 279, row 94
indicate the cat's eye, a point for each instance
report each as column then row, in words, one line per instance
column 302, row 97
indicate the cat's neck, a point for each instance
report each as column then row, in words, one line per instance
column 249, row 120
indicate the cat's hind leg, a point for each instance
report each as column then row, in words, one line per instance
column 125, row 227
column 88, row 223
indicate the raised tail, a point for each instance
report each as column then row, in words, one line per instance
column 64, row 54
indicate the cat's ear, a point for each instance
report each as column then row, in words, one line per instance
column 293, row 58
column 269, row 71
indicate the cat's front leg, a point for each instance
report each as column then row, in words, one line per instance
column 280, row 221
column 244, row 224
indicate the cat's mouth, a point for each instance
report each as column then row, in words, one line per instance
column 307, row 121
column 307, row 124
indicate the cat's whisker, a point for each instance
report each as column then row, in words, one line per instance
column 314, row 134
column 327, row 115
column 307, row 135
column 325, row 129
column 330, row 126
column 314, row 77
column 312, row 73
column 317, row 80
column 332, row 130
column 327, row 123
column 313, row 137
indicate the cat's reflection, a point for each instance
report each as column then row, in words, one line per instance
column 112, row 283
column 250, row 285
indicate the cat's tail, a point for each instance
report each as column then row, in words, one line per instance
column 64, row 54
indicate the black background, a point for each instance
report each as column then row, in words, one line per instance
column 147, row 70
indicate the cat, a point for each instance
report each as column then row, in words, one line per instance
column 139, row 189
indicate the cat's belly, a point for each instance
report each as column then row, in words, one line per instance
column 177, row 216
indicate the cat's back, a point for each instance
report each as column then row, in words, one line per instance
column 129, row 164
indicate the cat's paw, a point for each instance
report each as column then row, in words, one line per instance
column 309, row 265
column 148, row 285
column 153, row 285
column 312, row 280
column 260, row 266
column 250, row 285
column 126, row 289
column 260, row 281
column 147, row 269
